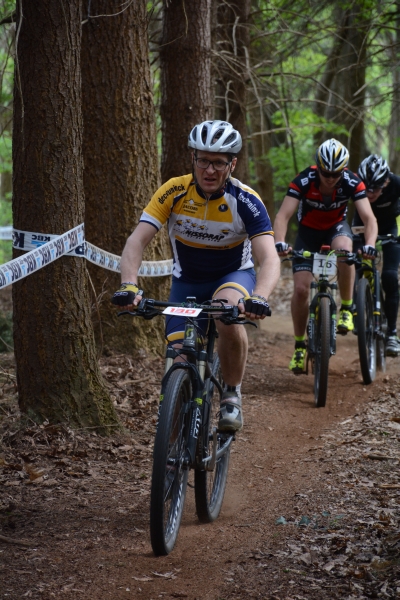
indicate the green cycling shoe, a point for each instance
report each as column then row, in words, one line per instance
column 298, row 363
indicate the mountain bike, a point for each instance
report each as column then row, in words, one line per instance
column 321, row 328
column 187, row 435
column 370, row 323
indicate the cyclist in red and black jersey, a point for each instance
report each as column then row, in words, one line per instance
column 320, row 195
column 383, row 191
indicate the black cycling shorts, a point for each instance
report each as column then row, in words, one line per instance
column 312, row 240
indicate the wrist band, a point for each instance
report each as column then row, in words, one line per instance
column 259, row 297
column 129, row 283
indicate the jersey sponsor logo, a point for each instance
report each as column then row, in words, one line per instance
column 351, row 182
column 174, row 188
column 320, row 206
column 202, row 235
column 304, row 181
column 339, row 227
column 223, row 207
column 250, row 204
column 192, row 230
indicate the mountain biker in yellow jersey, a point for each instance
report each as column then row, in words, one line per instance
column 383, row 191
column 215, row 225
column 320, row 195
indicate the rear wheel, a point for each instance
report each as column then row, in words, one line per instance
column 367, row 347
column 322, row 352
column 209, row 486
column 170, row 473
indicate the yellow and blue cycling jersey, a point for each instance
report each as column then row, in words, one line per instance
column 200, row 229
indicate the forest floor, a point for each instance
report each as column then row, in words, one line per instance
column 311, row 509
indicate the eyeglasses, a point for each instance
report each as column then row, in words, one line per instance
column 204, row 163
column 375, row 189
column 329, row 175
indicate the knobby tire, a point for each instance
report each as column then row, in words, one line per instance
column 170, row 476
column 365, row 331
column 209, row 486
column 323, row 352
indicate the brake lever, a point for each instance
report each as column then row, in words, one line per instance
column 233, row 320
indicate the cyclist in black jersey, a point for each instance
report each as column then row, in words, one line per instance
column 383, row 191
column 215, row 224
column 320, row 195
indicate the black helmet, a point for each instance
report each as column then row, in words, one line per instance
column 373, row 171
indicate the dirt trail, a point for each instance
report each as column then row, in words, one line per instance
column 88, row 521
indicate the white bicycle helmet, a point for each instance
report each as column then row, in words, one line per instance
column 332, row 156
column 373, row 171
column 215, row 136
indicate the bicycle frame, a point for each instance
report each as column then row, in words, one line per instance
column 186, row 436
column 321, row 327
column 197, row 356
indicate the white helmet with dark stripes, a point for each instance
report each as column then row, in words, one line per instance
column 215, row 136
column 373, row 171
column 332, row 156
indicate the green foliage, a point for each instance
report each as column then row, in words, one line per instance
column 7, row 7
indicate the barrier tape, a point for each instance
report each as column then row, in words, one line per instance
column 44, row 244
column 21, row 267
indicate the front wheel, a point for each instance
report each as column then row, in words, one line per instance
column 170, row 471
column 322, row 352
column 365, row 331
column 209, row 486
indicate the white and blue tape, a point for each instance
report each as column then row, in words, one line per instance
column 43, row 249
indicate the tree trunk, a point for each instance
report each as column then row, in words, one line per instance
column 185, row 61
column 231, row 46
column 120, row 157
column 346, row 98
column 57, row 372
column 394, row 128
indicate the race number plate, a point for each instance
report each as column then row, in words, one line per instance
column 324, row 265
column 182, row 311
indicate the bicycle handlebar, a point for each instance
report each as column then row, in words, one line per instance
column 386, row 238
column 307, row 254
column 149, row 308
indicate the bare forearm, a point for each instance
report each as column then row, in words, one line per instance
column 371, row 231
column 280, row 228
column 131, row 260
column 268, row 276
column 132, row 254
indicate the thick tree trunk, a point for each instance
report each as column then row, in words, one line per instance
column 394, row 128
column 185, row 60
column 57, row 372
column 120, row 157
column 231, row 45
column 345, row 97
